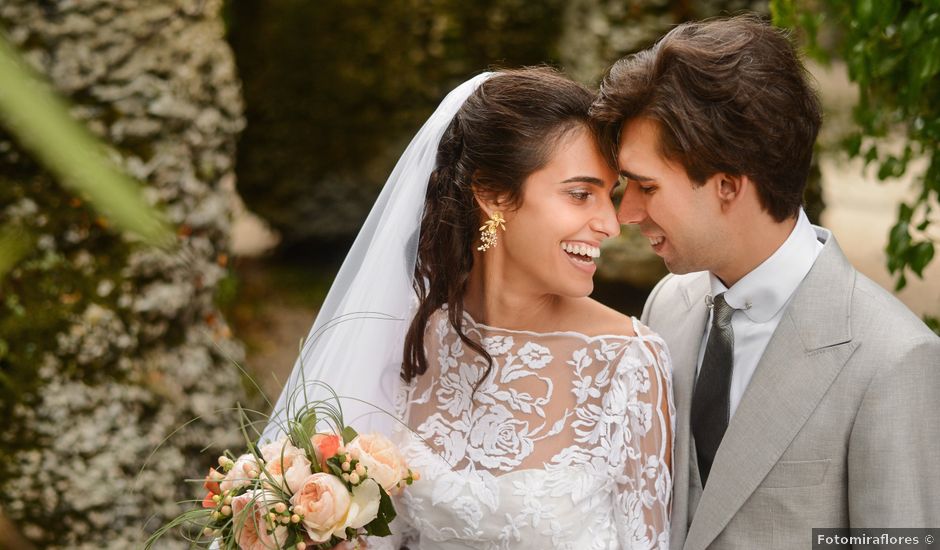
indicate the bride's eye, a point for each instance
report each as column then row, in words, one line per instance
column 580, row 195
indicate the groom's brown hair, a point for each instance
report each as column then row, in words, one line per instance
column 729, row 95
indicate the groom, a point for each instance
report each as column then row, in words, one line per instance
column 806, row 395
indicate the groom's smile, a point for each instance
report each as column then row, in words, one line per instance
column 676, row 214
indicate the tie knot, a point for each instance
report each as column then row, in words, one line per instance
column 722, row 312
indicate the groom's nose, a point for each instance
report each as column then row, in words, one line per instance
column 632, row 208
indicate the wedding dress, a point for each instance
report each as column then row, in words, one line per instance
column 563, row 445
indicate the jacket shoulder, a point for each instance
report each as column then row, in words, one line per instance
column 670, row 288
column 876, row 309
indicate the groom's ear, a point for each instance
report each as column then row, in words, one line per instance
column 730, row 187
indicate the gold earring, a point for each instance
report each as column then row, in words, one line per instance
column 488, row 231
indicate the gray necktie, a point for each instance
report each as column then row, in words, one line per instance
column 711, row 404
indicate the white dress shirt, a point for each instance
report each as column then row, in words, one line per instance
column 759, row 300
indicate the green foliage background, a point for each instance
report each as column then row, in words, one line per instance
column 892, row 51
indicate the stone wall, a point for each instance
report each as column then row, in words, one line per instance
column 108, row 346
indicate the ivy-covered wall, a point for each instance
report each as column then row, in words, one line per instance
column 107, row 346
column 335, row 90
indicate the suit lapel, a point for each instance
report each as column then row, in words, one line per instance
column 804, row 356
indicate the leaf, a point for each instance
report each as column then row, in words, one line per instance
column 911, row 29
column 886, row 11
column 379, row 526
column 899, row 239
column 14, row 244
column 308, row 423
column 904, row 213
column 853, row 144
column 558, row 426
column 486, row 492
column 930, row 60
column 871, row 154
column 886, row 65
column 505, row 379
column 920, row 256
column 865, row 12
column 447, row 488
column 349, row 434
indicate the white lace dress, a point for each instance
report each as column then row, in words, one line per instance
column 564, row 444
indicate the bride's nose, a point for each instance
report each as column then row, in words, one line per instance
column 605, row 220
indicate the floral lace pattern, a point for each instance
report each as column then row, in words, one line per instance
column 564, row 444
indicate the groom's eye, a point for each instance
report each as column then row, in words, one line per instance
column 616, row 194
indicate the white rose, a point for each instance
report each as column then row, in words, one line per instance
column 365, row 504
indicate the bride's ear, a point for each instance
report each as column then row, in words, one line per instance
column 490, row 202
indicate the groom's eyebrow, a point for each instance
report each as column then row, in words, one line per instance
column 634, row 177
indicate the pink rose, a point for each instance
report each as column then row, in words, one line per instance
column 242, row 473
column 285, row 462
column 324, row 502
column 381, row 457
column 253, row 531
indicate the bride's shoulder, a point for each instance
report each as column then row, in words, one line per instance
column 595, row 318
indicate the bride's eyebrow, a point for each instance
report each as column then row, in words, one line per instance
column 585, row 179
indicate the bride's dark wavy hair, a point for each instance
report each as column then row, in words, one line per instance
column 506, row 130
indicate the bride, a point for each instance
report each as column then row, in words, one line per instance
column 537, row 417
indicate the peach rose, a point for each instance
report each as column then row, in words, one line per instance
column 245, row 469
column 381, row 457
column 286, row 464
column 252, row 531
column 324, row 502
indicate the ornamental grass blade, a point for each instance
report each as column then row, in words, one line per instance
column 41, row 123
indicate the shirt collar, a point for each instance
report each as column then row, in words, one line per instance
column 768, row 287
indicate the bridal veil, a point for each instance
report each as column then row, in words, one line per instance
column 356, row 342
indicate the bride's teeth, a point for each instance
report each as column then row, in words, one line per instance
column 581, row 250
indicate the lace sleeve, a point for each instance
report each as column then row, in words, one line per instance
column 642, row 501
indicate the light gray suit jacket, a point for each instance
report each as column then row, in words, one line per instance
column 839, row 425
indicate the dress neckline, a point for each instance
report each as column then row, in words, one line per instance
column 634, row 323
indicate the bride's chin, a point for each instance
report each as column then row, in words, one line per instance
column 576, row 289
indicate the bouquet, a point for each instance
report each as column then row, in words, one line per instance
column 309, row 490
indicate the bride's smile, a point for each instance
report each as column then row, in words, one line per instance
column 555, row 232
